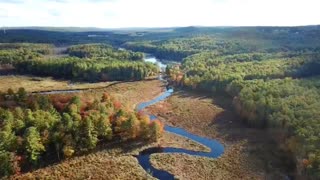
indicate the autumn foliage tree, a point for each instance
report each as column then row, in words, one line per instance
column 65, row 125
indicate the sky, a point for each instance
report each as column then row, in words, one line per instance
column 158, row 13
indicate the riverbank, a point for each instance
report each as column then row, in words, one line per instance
column 249, row 153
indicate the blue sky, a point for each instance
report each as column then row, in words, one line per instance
column 158, row 13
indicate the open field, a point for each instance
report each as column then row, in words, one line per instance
column 229, row 166
column 128, row 92
column 131, row 93
column 93, row 166
column 249, row 153
column 32, row 83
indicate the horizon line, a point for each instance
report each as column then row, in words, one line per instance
column 157, row 27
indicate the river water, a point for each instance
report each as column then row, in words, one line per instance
column 216, row 149
column 152, row 59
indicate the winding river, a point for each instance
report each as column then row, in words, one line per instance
column 216, row 149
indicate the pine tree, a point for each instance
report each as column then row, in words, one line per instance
column 34, row 146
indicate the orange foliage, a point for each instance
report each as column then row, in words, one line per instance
column 112, row 117
column 62, row 98
column 105, row 97
column 60, row 101
column 86, row 102
column 305, row 162
column 116, row 104
column 59, row 106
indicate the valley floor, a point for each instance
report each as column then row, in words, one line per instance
column 112, row 161
column 248, row 154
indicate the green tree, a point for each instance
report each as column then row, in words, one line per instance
column 21, row 95
column 7, row 163
column 34, row 146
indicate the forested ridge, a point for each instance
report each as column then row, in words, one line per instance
column 228, row 41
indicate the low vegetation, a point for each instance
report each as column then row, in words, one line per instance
column 38, row 84
column 229, row 166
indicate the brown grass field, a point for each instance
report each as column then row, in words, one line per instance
column 111, row 162
column 32, row 83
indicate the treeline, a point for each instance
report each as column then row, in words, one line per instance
column 249, row 38
column 37, row 130
column 11, row 52
column 208, row 71
column 96, row 62
column 60, row 37
column 37, row 48
column 103, row 51
column 279, row 94
column 177, row 49
column 88, row 70
column 230, row 41
column 157, row 51
column 290, row 107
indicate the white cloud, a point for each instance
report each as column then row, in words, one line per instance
column 158, row 13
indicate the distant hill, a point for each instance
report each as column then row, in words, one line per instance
column 76, row 35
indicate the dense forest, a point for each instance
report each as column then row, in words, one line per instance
column 275, row 91
column 13, row 52
column 38, row 129
column 87, row 70
column 58, row 38
column 103, row 51
column 177, row 49
column 228, row 41
column 91, row 62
